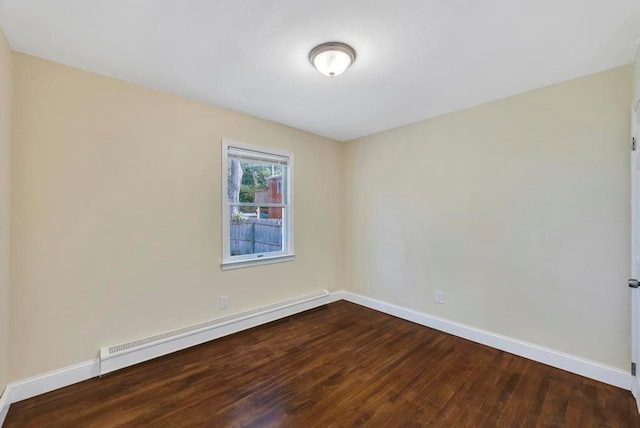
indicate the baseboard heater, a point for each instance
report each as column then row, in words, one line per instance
column 136, row 351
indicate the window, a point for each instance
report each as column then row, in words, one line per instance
column 257, row 215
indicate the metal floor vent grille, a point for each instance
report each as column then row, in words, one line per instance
column 159, row 337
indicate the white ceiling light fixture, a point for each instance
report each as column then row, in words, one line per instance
column 332, row 58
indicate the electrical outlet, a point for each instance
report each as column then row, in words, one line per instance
column 440, row 297
column 224, row 302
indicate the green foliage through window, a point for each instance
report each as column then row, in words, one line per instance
column 255, row 177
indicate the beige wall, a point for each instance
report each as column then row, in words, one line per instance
column 517, row 209
column 5, row 144
column 116, row 201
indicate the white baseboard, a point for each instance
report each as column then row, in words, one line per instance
column 336, row 296
column 47, row 382
column 120, row 356
column 4, row 405
column 50, row 381
column 571, row 363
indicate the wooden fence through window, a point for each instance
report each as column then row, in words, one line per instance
column 253, row 236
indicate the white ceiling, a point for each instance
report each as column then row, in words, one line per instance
column 416, row 58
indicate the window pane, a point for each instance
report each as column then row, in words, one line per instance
column 252, row 235
column 251, row 181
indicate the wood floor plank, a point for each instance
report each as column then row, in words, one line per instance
column 337, row 366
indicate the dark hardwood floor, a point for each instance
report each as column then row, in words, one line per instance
column 341, row 365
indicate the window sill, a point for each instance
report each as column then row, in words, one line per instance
column 239, row 264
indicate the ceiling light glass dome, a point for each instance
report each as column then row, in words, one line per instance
column 333, row 58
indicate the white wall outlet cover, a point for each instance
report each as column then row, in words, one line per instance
column 224, row 302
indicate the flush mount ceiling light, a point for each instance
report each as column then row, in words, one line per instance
column 332, row 58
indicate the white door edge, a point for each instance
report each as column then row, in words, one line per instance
column 635, row 253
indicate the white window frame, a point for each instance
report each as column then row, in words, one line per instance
column 245, row 260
